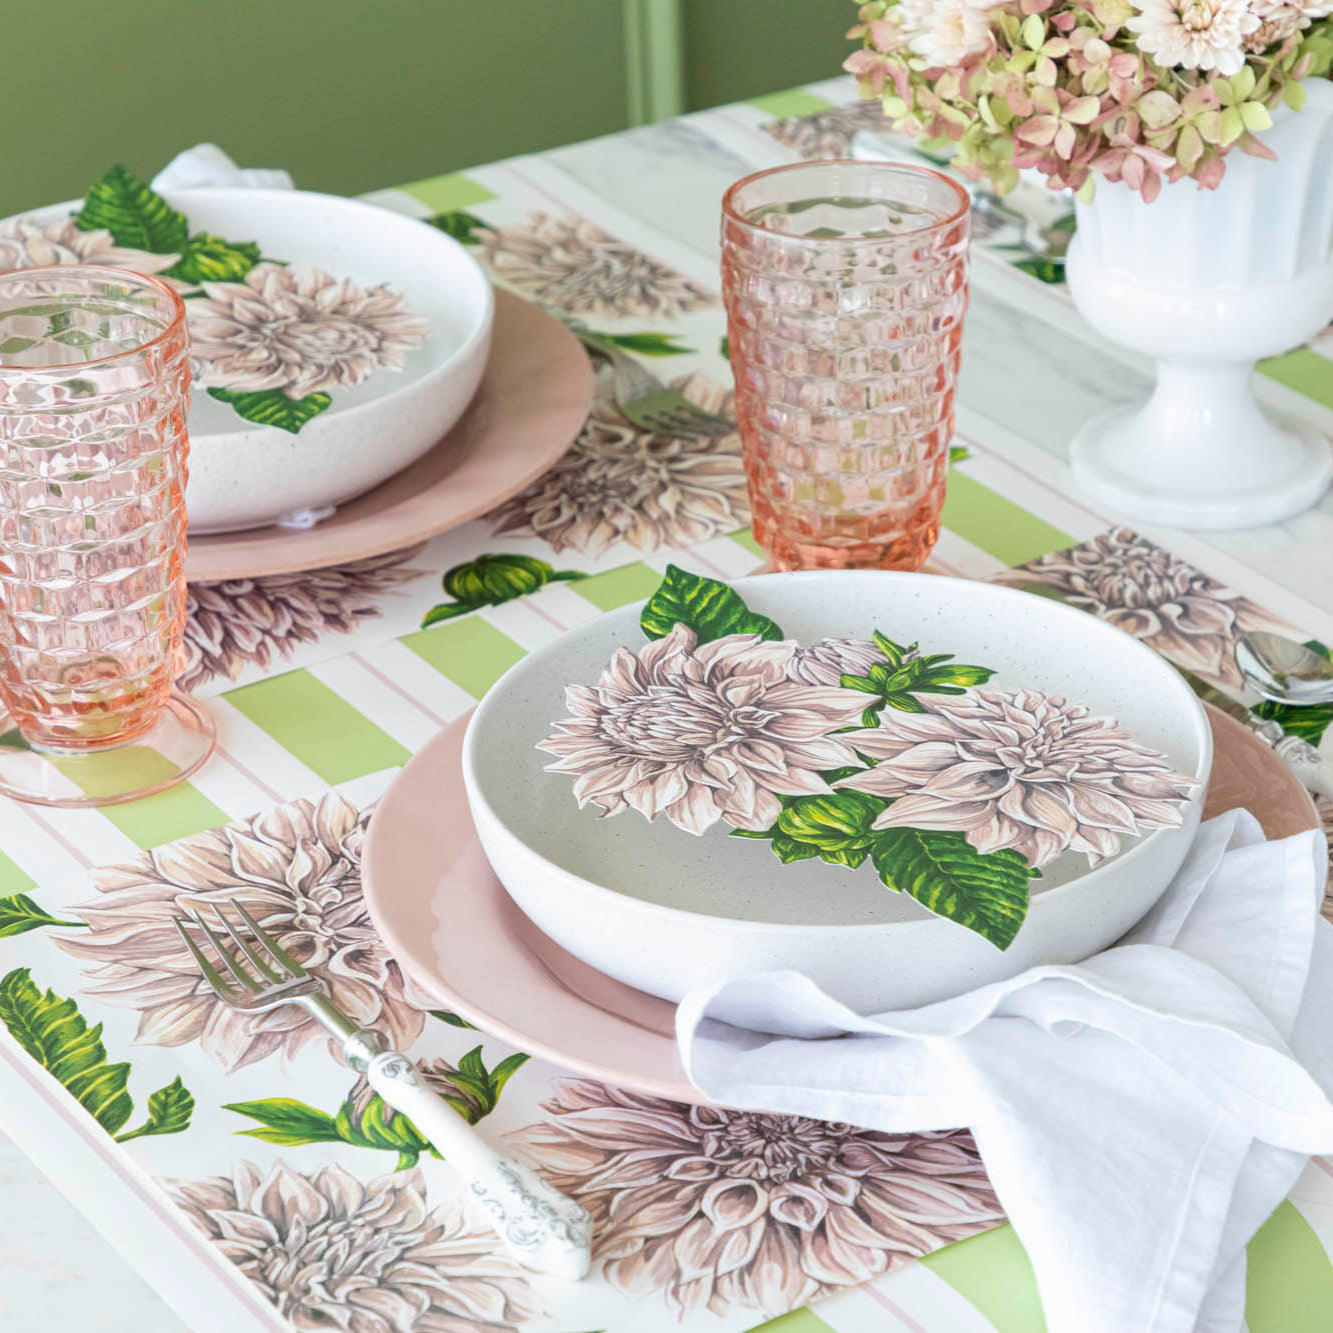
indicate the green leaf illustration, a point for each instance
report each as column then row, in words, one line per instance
column 378, row 1125
column 708, row 607
column 371, row 1122
column 272, row 407
column 209, row 258
column 1308, row 721
column 648, row 344
column 286, row 1122
column 57, row 1036
column 724, row 347
column 454, row 1020
column 958, row 453
column 169, row 1112
column 20, row 914
column 458, row 224
column 986, row 892
column 134, row 215
column 1044, row 270
column 904, row 674
column 480, row 1088
column 490, row 580
column 835, row 828
column 13, row 740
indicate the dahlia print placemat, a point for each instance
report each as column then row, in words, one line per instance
column 319, row 1196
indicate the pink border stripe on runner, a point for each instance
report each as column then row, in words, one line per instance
column 895, row 1310
column 68, row 1111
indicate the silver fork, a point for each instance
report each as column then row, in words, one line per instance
column 644, row 401
column 540, row 1226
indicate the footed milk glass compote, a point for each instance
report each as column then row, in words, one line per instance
column 94, row 391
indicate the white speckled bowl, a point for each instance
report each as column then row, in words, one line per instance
column 660, row 910
column 246, row 476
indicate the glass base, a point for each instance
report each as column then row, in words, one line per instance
column 175, row 746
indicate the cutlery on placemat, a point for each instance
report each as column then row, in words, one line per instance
column 1283, row 670
column 1310, row 767
column 541, row 1227
column 644, row 401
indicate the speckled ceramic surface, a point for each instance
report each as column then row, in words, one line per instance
column 532, row 401
column 244, row 475
column 437, row 902
column 664, row 911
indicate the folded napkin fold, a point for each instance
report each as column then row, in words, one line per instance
column 206, row 164
column 1140, row 1113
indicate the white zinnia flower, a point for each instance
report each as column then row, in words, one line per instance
column 945, row 32
column 1195, row 34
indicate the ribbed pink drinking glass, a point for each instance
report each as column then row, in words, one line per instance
column 845, row 284
column 94, row 392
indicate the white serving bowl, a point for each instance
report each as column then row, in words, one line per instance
column 247, row 476
column 660, row 910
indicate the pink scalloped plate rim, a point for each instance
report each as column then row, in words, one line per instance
column 532, row 401
column 455, row 931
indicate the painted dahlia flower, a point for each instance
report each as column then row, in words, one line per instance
column 1146, row 591
column 573, row 265
column 262, row 620
column 722, row 1208
column 297, row 868
column 1195, row 34
column 1022, row 770
column 829, row 660
column 702, row 732
column 619, row 484
column 331, row 1252
column 298, row 330
column 27, row 243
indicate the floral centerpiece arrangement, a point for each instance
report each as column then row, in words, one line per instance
column 1139, row 91
column 853, row 750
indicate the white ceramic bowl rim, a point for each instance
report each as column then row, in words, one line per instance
column 1170, row 681
column 383, row 218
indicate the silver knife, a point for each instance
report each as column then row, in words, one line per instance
column 1314, row 772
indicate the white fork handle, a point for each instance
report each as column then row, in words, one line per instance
column 540, row 1227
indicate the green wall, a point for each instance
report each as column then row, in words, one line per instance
column 737, row 49
column 355, row 94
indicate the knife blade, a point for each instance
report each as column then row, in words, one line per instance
column 1311, row 768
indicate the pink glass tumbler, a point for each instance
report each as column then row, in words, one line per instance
column 94, row 392
column 845, row 284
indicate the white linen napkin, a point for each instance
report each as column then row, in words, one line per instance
column 1140, row 1114
column 206, row 164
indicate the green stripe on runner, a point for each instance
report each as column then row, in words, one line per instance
column 472, row 652
column 619, row 587
column 446, row 193
column 12, row 877
column 745, row 538
column 798, row 1321
column 318, row 726
column 1305, row 371
column 992, row 1272
column 151, row 820
column 998, row 526
column 1290, row 1278
column 794, row 102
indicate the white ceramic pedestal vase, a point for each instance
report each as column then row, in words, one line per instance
column 1208, row 282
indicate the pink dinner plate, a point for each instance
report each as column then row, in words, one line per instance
column 447, row 919
column 534, row 396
